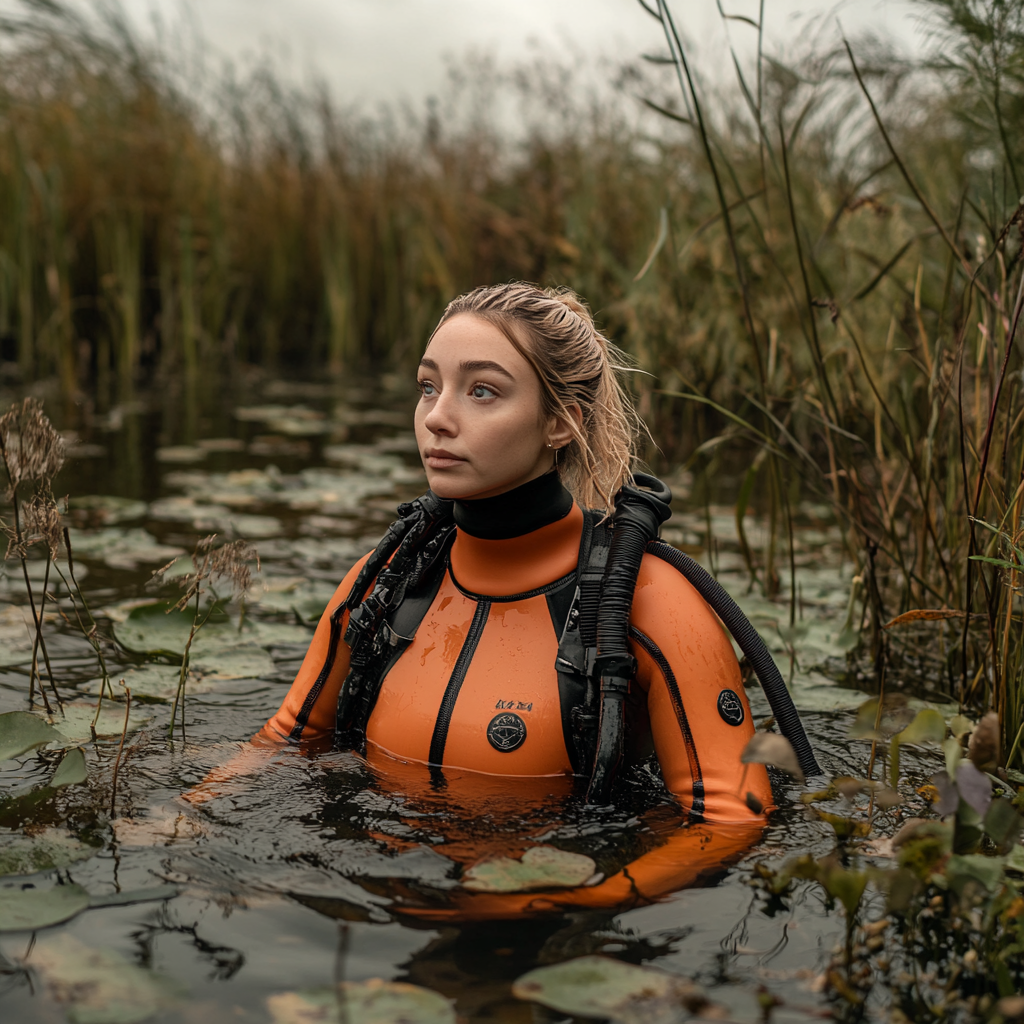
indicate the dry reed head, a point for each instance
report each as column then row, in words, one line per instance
column 230, row 562
column 33, row 451
column 40, row 519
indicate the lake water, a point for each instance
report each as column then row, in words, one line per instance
column 293, row 878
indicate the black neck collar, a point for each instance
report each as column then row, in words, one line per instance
column 526, row 508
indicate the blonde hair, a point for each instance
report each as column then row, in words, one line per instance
column 554, row 331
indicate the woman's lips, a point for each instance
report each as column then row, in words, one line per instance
column 440, row 459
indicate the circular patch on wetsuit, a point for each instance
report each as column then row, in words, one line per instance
column 730, row 707
column 506, row 732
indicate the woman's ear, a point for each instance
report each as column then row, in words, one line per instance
column 561, row 432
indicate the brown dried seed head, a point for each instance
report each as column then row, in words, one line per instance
column 33, row 451
column 231, row 561
column 983, row 747
column 40, row 520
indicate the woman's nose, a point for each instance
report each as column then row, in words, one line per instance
column 441, row 417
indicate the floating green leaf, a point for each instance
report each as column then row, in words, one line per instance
column 15, row 636
column 1002, row 823
column 541, row 867
column 127, row 897
column 106, row 509
column 363, row 1002
column 152, row 629
column 1015, row 859
column 71, row 771
column 927, row 726
column 974, row 867
column 120, row 548
column 21, row 731
column 25, row 855
column 598, row 986
column 29, row 909
column 872, row 725
column 99, row 986
column 960, row 725
column 243, row 662
column 75, row 725
column 151, row 683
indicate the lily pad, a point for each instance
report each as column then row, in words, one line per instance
column 362, row 1002
column 74, row 726
column 245, row 662
column 26, row 855
column 100, row 986
column 541, row 867
column 106, row 509
column 180, row 453
column 29, row 909
column 222, row 444
column 152, row 630
column 15, row 636
column 597, row 986
column 178, row 509
column 71, row 771
column 306, row 598
column 252, row 527
column 21, row 731
column 122, row 549
column 151, row 683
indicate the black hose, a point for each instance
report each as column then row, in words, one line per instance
column 752, row 646
column 638, row 514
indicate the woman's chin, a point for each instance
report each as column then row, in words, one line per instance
column 444, row 486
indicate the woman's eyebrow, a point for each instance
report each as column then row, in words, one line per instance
column 485, row 364
column 471, row 366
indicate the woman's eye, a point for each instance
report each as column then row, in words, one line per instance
column 482, row 391
column 426, row 388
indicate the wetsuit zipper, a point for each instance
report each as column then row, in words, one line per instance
column 451, row 693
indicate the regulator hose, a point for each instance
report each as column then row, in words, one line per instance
column 638, row 514
column 752, row 646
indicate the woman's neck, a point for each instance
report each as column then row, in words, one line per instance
column 526, row 508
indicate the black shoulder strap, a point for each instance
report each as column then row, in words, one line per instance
column 395, row 632
column 577, row 646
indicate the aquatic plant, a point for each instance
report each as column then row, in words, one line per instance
column 949, row 938
column 229, row 562
column 32, row 453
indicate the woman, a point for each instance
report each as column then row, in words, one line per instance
column 523, row 425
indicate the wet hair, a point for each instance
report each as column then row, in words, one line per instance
column 552, row 329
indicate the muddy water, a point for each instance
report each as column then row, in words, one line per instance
column 292, row 878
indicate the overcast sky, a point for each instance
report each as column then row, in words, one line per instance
column 382, row 50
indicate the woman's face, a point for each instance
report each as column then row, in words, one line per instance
column 480, row 424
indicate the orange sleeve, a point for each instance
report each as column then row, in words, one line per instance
column 309, row 708
column 700, row 717
column 690, row 855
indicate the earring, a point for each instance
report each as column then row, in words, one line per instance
column 550, row 445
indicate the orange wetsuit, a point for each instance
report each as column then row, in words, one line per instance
column 477, row 692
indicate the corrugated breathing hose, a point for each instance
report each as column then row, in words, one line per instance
column 638, row 515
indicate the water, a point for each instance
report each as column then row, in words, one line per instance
column 295, row 876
